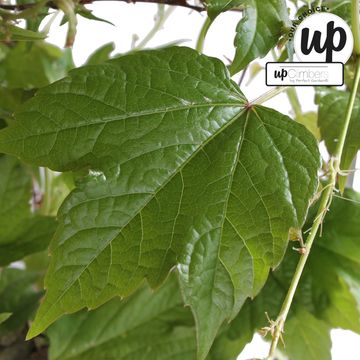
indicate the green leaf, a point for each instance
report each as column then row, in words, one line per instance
column 11, row 99
column 17, row 296
column 330, row 120
column 215, row 7
column 338, row 252
column 146, row 326
column 29, row 66
column 258, row 31
column 88, row 14
column 22, row 232
column 230, row 342
column 225, row 264
column 33, row 236
column 15, row 33
column 15, row 195
column 329, row 288
column 307, row 337
column 181, row 175
column 101, row 55
column 4, row 316
column 341, row 8
column 309, row 120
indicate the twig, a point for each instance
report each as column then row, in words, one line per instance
column 51, row 4
column 201, row 39
column 242, row 77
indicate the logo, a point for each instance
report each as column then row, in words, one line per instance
column 304, row 74
column 323, row 43
column 323, row 37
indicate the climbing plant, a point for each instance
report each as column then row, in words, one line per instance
column 155, row 212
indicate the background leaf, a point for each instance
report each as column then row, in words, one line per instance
column 22, row 232
column 328, row 294
column 305, row 334
column 33, row 65
column 258, row 31
column 114, row 330
column 330, row 120
column 17, row 296
column 101, row 55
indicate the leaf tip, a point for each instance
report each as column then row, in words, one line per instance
column 33, row 332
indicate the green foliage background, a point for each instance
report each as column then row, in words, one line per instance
column 165, row 199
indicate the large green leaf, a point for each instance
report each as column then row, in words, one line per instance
column 182, row 174
column 258, row 31
column 22, row 232
column 146, row 326
column 330, row 120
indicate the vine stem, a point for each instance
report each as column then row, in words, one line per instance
column 325, row 202
column 202, row 35
column 52, row 4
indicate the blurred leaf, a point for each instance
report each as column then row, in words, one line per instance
column 101, row 55
column 332, row 105
column 34, row 65
column 34, row 235
column 15, row 196
column 88, row 14
column 231, row 340
column 11, row 99
column 340, row 8
column 146, row 326
column 4, row 316
column 328, row 295
column 14, row 33
column 22, row 232
column 310, row 121
column 17, row 296
column 254, row 70
column 307, row 337
column 338, row 252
